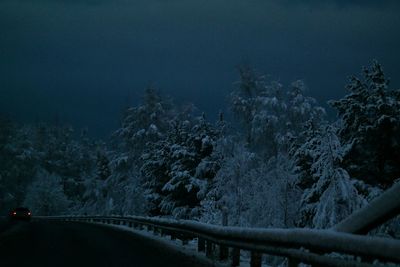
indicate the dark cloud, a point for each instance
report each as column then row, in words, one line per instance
column 85, row 60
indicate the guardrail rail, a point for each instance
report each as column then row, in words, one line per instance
column 339, row 246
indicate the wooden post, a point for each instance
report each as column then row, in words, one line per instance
column 201, row 244
column 209, row 248
column 255, row 260
column 223, row 252
column 235, row 257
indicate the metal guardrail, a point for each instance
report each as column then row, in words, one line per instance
column 298, row 245
column 340, row 246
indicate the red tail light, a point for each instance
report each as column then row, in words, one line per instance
column 14, row 213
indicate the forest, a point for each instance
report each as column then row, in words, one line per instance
column 277, row 160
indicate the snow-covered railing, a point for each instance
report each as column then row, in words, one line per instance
column 380, row 210
column 339, row 246
column 297, row 245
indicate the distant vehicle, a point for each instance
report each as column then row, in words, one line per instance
column 21, row 214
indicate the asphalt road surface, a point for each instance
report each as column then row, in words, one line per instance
column 43, row 243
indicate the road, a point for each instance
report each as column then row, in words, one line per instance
column 44, row 243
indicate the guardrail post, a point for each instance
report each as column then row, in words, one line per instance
column 201, row 244
column 209, row 248
column 163, row 232
column 293, row 262
column 255, row 260
column 223, row 252
column 235, row 257
column 173, row 236
column 184, row 239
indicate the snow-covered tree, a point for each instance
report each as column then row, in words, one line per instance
column 280, row 194
column 102, row 166
column 124, row 187
column 144, row 123
column 19, row 162
column 252, row 192
column 271, row 115
column 243, row 98
column 176, row 169
column 142, row 127
column 227, row 193
column 371, row 125
column 45, row 196
column 331, row 195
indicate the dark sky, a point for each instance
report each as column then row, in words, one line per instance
column 84, row 60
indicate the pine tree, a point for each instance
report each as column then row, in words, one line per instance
column 331, row 195
column 102, row 166
column 371, row 125
column 145, row 123
column 243, row 98
column 176, row 169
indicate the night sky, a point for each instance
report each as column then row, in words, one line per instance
column 84, row 61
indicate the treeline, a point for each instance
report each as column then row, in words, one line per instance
column 278, row 163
